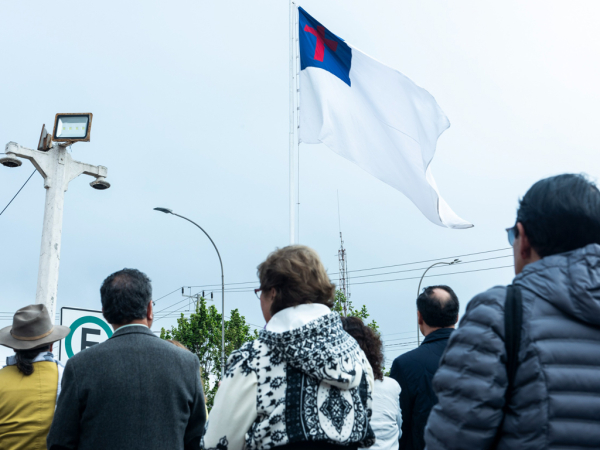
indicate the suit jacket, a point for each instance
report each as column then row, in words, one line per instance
column 132, row 391
column 414, row 373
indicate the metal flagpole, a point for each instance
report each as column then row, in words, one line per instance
column 292, row 125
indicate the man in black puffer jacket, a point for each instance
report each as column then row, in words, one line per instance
column 555, row 398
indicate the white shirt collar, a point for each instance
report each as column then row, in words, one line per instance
column 131, row 325
column 296, row 317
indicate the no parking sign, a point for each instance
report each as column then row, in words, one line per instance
column 88, row 328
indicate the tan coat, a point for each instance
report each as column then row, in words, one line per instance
column 27, row 406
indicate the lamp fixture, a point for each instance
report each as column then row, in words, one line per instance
column 72, row 127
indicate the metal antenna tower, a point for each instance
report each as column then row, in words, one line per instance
column 343, row 263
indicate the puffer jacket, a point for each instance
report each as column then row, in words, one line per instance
column 310, row 385
column 555, row 402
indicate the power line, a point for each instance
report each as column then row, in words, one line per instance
column 243, row 290
column 226, row 318
column 11, row 200
column 430, row 260
column 424, row 268
column 401, row 345
column 172, row 292
column 394, row 334
column 164, row 309
column 380, row 267
column 434, row 275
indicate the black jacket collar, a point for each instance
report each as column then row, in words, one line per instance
column 442, row 333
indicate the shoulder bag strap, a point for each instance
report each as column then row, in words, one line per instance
column 513, row 321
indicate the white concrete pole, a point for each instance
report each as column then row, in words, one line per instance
column 57, row 168
column 56, row 185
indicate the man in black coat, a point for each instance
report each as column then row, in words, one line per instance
column 134, row 390
column 437, row 310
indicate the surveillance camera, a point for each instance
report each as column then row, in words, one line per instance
column 10, row 161
column 100, row 183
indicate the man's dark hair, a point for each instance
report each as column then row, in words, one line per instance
column 560, row 214
column 125, row 296
column 436, row 312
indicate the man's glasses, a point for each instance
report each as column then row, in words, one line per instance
column 513, row 233
column 257, row 292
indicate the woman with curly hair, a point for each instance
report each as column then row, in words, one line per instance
column 304, row 383
column 386, row 420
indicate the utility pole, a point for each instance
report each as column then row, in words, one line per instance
column 343, row 275
column 343, row 265
column 58, row 169
column 195, row 297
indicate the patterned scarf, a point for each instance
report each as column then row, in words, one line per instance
column 42, row 356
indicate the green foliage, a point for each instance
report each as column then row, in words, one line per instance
column 345, row 308
column 201, row 333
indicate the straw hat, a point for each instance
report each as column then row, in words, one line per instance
column 32, row 328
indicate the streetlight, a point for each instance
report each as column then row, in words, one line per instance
column 456, row 261
column 58, row 169
column 169, row 211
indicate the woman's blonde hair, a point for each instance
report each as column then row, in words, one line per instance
column 298, row 276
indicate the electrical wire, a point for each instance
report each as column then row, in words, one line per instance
column 434, row 275
column 429, row 260
column 246, row 290
column 380, row 267
column 172, row 292
column 425, row 268
column 395, row 334
column 15, row 196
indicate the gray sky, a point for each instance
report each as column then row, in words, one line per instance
column 190, row 103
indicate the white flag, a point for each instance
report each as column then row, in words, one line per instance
column 371, row 115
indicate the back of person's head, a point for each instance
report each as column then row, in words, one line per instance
column 369, row 341
column 25, row 358
column 438, row 311
column 125, row 296
column 298, row 276
column 560, row 214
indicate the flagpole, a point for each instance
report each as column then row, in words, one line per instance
column 292, row 148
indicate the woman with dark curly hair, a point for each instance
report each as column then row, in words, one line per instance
column 386, row 420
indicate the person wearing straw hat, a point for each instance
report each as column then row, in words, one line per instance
column 30, row 382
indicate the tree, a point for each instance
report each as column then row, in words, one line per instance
column 344, row 307
column 201, row 334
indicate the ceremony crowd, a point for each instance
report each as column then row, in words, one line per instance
column 522, row 371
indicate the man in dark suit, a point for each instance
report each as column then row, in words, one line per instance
column 134, row 390
column 437, row 311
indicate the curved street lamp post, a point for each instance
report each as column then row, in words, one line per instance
column 456, row 261
column 168, row 211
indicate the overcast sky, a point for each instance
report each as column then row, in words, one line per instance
column 190, row 103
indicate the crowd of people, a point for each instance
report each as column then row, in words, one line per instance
column 522, row 371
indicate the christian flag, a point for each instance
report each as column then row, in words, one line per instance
column 371, row 115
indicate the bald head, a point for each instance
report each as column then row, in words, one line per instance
column 438, row 306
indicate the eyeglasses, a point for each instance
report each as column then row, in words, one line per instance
column 513, row 233
column 257, row 292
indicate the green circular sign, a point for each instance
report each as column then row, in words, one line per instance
column 77, row 324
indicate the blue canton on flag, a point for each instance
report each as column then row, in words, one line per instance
column 321, row 48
